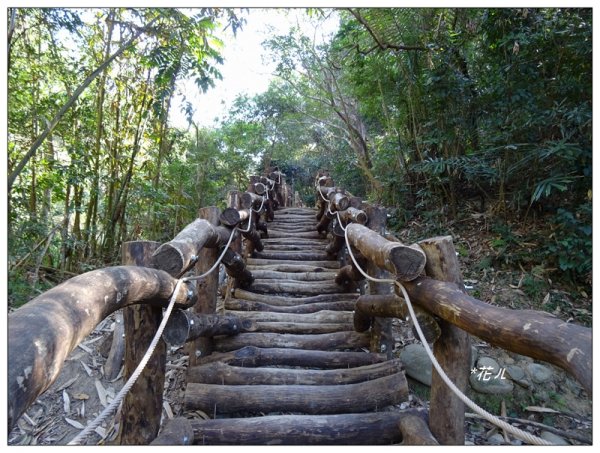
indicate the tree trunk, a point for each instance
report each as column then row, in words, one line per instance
column 59, row 115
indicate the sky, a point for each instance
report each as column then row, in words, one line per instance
column 245, row 70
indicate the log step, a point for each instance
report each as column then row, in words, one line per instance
column 309, row 399
column 374, row 428
column 293, row 255
column 304, row 328
column 298, row 276
column 285, row 234
column 290, row 268
column 290, row 301
column 225, row 374
column 329, row 264
column 336, row 341
column 322, row 316
column 294, row 247
column 249, row 305
column 294, row 287
column 252, row 356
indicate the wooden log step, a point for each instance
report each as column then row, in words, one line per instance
column 298, row 256
column 297, row 211
column 252, row 356
column 289, row 301
column 295, row 241
column 294, row 287
column 335, row 341
column 285, row 234
column 305, row 328
column 225, row 374
column 329, row 264
column 298, row 276
column 295, row 247
column 293, row 228
column 289, row 268
column 310, row 399
column 376, row 428
column 249, row 305
column 321, row 316
column 295, row 215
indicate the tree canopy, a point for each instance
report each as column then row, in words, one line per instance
column 436, row 113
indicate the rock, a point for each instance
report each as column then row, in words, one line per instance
column 539, row 373
column 488, row 362
column 553, row 438
column 488, row 378
column 517, row 374
column 496, row 439
column 516, row 442
column 416, row 363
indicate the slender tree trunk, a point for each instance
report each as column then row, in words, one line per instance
column 61, row 113
column 65, row 249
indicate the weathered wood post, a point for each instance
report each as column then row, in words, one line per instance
column 381, row 328
column 142, row 407
column 452, row 350
column 207, row 288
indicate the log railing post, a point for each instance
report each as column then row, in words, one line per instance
column 207, row 288
column 142, row 407
column 381, row 328
column 452, row 350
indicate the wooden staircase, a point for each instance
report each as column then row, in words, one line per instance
column 303, row 375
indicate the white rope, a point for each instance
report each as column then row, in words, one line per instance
column 140, row 368
column 523, row 435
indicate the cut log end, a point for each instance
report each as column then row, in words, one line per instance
column 408, row 262
column 168, row 259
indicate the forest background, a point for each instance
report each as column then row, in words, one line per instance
column 470, row 122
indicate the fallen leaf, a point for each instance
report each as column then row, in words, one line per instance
column 86, row 368
column 74, row 423
column 67, row 384
column 85, row 348
column 81, row 396
column 66, row 402
column 101, row 393
column 541, row 409
column 168, row 410
column 101, row 432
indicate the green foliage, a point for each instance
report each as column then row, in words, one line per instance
column 570, row 247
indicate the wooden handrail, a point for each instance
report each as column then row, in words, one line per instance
column 43, row 332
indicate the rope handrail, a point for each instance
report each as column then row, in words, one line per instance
column 523, row 435
column 140, row 368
